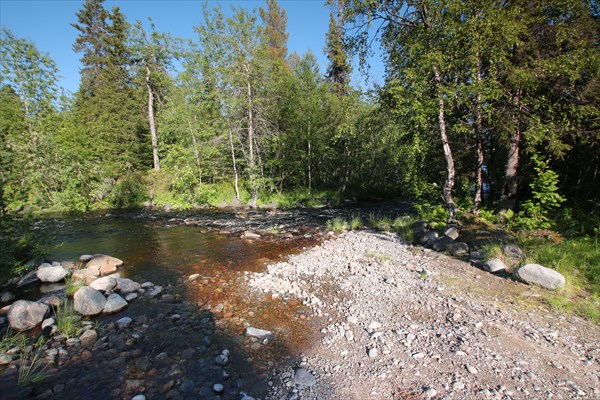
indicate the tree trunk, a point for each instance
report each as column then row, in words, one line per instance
column 237, row 190
column 479, row 146
column 449, row 184
column 309, row 172
column 151, row 121
column 196, row 155
column 251, row 166
column 508, row 200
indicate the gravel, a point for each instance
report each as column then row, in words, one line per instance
column 398, row 321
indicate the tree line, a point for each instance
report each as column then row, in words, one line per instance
column 485, row 105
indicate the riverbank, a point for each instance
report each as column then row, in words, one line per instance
column 398, row 322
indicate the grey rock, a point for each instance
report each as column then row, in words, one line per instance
column 125, row 286
column 85, row 257
column 104, row 284
column 429, row 393
column 258, row 333
column 88, row 338
column 114, row 303
column 25, row 314
column 131, row 296
column 442, row 243
column 372, row 352
column 85, row 273
column 427, row 238
column 536, row 274
column 451, row 231
column 6, row 297
column 221, row 360
column 155, row 292
column 48, row 322
column 494, row 265
column 218, row 388
column 139, row 397
column 88, row 301
column 251, row 235
column 124, row 322
column 304, row 378
column 513, row 253
column 51, row 273
column 5, row 359
column 458, row 249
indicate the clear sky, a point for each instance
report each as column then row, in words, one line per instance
column 47, row 24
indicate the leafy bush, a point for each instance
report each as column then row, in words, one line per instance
column 535, row 212
column 129, row 192
column 435, row 215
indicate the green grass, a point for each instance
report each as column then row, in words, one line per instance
column 72, row 286
column 578, row 259
column 31, row 365
column 338, row 224
column 11, row 340
column 68, row 321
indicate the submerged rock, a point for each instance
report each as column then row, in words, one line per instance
column 25, row 314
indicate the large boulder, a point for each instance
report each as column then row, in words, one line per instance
column 114, row 303
column 86, row 274
column 100, row 260
column 104, row 284
column 51, row 273
column 536, row 274
column 25, row 314
column 88, row 301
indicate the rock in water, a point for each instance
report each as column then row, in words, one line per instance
column 536, row 274
column 251, row 235
column 258, row 333
column 88, row 301
column 51, row 273
column 494, row 265
column 104, row 284
column 304, row 378
column 125, row 285
column 100, row 260
column 25, row 314
column 114, row 303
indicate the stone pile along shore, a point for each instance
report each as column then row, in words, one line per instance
column 403, row 322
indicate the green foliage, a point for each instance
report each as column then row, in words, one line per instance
column 435, row 215
column 10, row 340
column 578, row 259
column 20, row 245
column 72, row 285
column 535, row 212
column 338, row 224
column 129, row 192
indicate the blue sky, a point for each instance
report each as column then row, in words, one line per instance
column 47, row 24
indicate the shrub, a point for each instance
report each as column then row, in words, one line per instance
column 129, row 192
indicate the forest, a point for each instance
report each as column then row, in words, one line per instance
column 486, row 105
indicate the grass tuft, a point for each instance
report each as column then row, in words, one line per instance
column 67, row 320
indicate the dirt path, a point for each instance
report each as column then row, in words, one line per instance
column 403, row 322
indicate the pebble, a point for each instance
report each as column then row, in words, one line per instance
column 139, row 397
column 372, row 352
column 458, row 385
column 471, row 369
column 429, row 393
column 218, row 388
column 221, row 360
